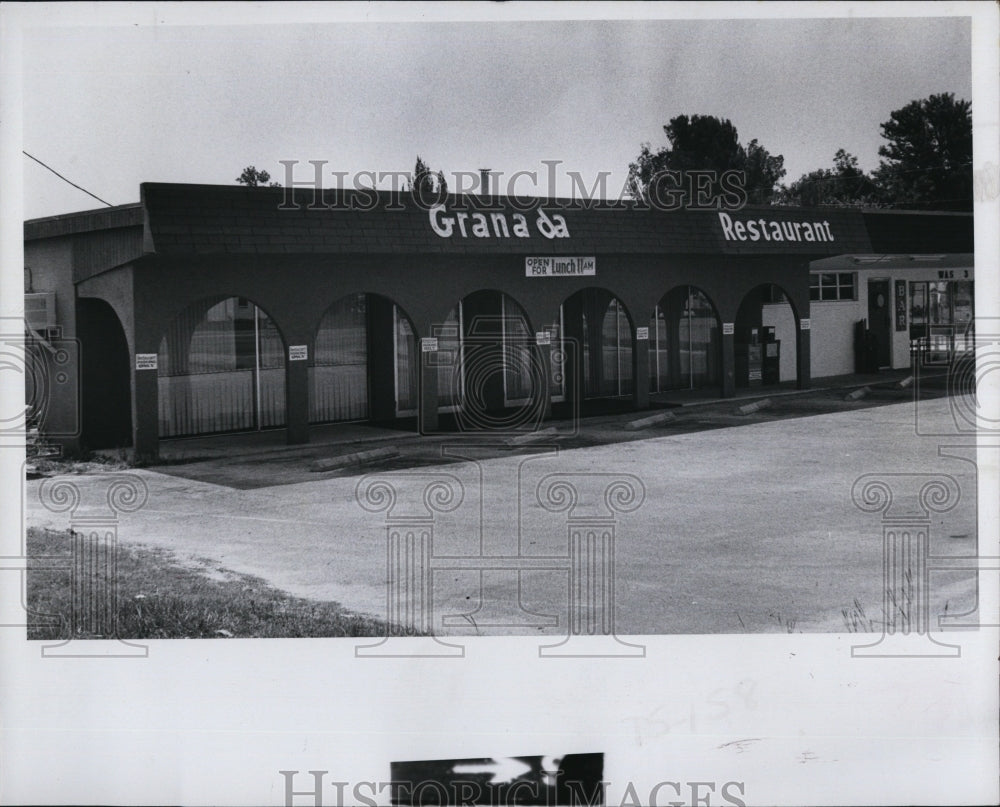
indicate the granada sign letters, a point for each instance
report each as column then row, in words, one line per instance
column 495, row 225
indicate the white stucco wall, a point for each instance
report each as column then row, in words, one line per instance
column 832, row 338
column 831, row 342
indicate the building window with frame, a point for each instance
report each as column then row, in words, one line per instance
column 832, row 286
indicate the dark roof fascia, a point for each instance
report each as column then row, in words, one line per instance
column 84, row 221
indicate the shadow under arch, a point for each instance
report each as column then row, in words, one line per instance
column 490, row 373
column 221, row 368
column 685, row 341
column 105, row 377
column 365, row 363
column 766, row 337
column 596, row 335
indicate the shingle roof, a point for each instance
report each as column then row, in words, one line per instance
column 235, row 219
column 196, row 219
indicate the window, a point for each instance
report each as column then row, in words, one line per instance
column 832, row 286
column 941, row 316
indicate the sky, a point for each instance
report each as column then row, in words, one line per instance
column 112, row 107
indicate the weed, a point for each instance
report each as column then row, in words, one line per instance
column 855, row 619
column 787, row 624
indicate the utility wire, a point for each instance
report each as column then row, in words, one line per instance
column 53, row 170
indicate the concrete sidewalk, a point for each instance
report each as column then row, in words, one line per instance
column 262, row 459
column 329, row 435
column 745, row 529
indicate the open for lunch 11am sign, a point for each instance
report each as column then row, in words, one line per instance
column 559, row 267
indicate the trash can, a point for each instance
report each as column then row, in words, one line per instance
column 865, row 348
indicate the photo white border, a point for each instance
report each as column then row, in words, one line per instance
column 212, row 722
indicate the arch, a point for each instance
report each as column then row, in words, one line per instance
column 767, row 318
column 685, row 341
column 221, row 368
column 364, row 363
column 596, row 340
column 105, row 382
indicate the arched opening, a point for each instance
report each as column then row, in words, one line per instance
column 221, row 368
column 106, row 388
column 685, row 342
column 488, row 370
column 595, row 332
column 365, row 362
column 766, row 329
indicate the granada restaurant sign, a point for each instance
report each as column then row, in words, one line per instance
column 769, row 230
column 495, row 225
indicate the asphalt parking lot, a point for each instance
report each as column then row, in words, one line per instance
column 741, row 528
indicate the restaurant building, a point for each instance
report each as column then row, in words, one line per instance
column 210, row 309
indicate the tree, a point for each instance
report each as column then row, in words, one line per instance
column 426, row 184
column 253, row 178
column 927, row 161
column 707, row 143
column 763, row 173
column 845, row 186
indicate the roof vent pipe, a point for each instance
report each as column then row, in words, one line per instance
column 484, row 181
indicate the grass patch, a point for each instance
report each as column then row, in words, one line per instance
column 160, row 597
column 81, row 463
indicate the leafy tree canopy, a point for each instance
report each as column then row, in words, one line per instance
column 253, row 178
column 707, row 143
column 846, row 185
column 927, row 161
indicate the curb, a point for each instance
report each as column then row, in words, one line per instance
column 652, row 420
column 549, row 433
column 756, row 406
column 355, row 458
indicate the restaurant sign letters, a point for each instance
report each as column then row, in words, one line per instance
column 495, row 225
column 762, row 229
